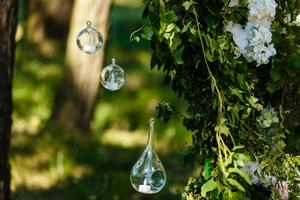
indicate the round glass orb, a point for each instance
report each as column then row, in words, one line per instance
column 89, row 40
column 112, row 77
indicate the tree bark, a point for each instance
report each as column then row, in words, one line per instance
column 8, row 23
column 47, row 19
column 76, row 97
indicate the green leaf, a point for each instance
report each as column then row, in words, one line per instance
column 238, row 147
column 235, row 184
column 190, row 197
column 253, row 102
column 272, row 87
column 241, row 156
column 241, row 173
column 208, row 187
column 187, row 5
column 170, row 27
column 147, row 33
column 185, row 27
column 222, row 129
column 222, row 167
column 275, row 74
column 208, row 168
column 237, row 93
column 228, row 160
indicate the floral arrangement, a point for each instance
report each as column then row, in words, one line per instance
column 237, row 64
column 254, row 41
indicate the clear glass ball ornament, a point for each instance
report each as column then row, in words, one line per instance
column 89, row 40
column 148, row 175
column 112, row 77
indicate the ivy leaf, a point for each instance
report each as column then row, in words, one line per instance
column 241, row 173
column 164, row 110
column 170, row 27
column 185, row 27
column 222, row 128
column 190, row 197
column 187, row 5
column 235, row 184
column 253, row 102
column 237, row 93
column 147, row 33
column 208, row 187
column 241, row 156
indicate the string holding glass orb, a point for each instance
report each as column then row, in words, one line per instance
column 148, row 175
column 112, row 77
column 89, row 40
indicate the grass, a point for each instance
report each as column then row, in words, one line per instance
column 49, row 163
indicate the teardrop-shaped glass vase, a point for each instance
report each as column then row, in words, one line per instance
column 148, row 175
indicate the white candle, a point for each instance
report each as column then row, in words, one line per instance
column 89, row 48
column 145, row 188
column 111, row 84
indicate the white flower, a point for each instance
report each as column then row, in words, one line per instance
column 268, row 116
column 259, row 9
column 287, row 19
column 233, row 3
column 254, row 41
column 250, row 168
column 283, row 31
column 255, row 180
column 269, row 180
column 240, row 37
column 283, row 190
column 298, row 20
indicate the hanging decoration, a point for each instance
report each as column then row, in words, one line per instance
column 148, row 175
column 89, row 40
column 112, row 76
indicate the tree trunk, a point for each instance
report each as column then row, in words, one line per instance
column 47, row 19
column 8, row 23
column 76, row 98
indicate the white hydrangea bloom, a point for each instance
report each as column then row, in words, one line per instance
column 298, row 20
column 254, row 41
column 260, row 43
column 269, row 180
column 251, row 168
column 240, row 37
column 254, row 171
column 261, row 11
column 287, row 19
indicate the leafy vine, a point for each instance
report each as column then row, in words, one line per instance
column 238, row 112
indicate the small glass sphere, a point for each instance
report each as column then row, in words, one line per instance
column 112, row 77
column 89, row 40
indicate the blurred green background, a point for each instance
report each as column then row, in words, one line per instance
column 48, row 162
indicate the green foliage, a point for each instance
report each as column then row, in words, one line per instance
column 229, row 113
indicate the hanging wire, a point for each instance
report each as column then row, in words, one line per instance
column 89, row 2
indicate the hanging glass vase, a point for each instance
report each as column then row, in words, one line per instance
column 148, row 175
column 112, row 77
column 89, row 40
